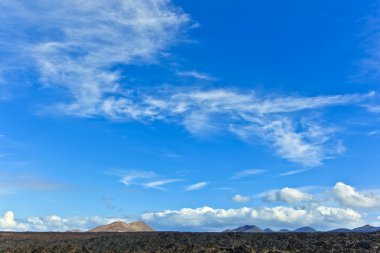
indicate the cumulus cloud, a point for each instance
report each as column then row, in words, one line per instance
column 288, row 195
column 240, row 198
column 348, row 196
column 57, row 223
column 198, row 219
column 196, row 186
column 317, row 213
column 8, row 223
column 54, row 222
column 207, row 218
column 82, row 48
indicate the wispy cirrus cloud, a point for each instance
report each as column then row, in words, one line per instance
column 375, row 108
column 130, row 177
column 78, row 45
column 196, row 75
column 196, row 186
column 373, row 133
column 247, row 116
column 160, row 183
column 247, row 173
column 292, row 172
column 145, row 179
column 85, row 47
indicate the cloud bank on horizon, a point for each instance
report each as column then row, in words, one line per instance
column 85, row 56
column 303, row 209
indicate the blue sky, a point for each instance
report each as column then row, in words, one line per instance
column 189, row 115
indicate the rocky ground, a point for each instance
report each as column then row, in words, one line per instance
column 189, row 242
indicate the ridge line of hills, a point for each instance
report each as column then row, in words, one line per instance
column 138, row 226
column 256, row 229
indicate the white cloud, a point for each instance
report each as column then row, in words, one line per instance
column 130, row 177
column 308, row 145
column 246, row 173
column 57, row 223
column 292, row 172
column 373, row 108
column 85, row 46
column 373, row 133
column 54, row 223
column 146, row 179
column 348, row 196
column 199, row 219
column 314, row 212
column 207, row 218
column 240, row 198
column 8, row 223
column 159, row 183
column 84, row 43
column 288, row 195
column 196, row 186
column 199, row 124
column 371, row 63
column 195, row 74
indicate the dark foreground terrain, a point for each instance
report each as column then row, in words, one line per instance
column 189, row 242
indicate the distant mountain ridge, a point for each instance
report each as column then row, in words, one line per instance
column 246, row 228
column 120, row 226
column 366, row 229
column 305, row 230
column 256, row 229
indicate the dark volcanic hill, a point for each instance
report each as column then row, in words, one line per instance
column 366, row 229
column 340, row 230
column 120, row 226
column 253, row 228
column 305, row 230
column 246, row 228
